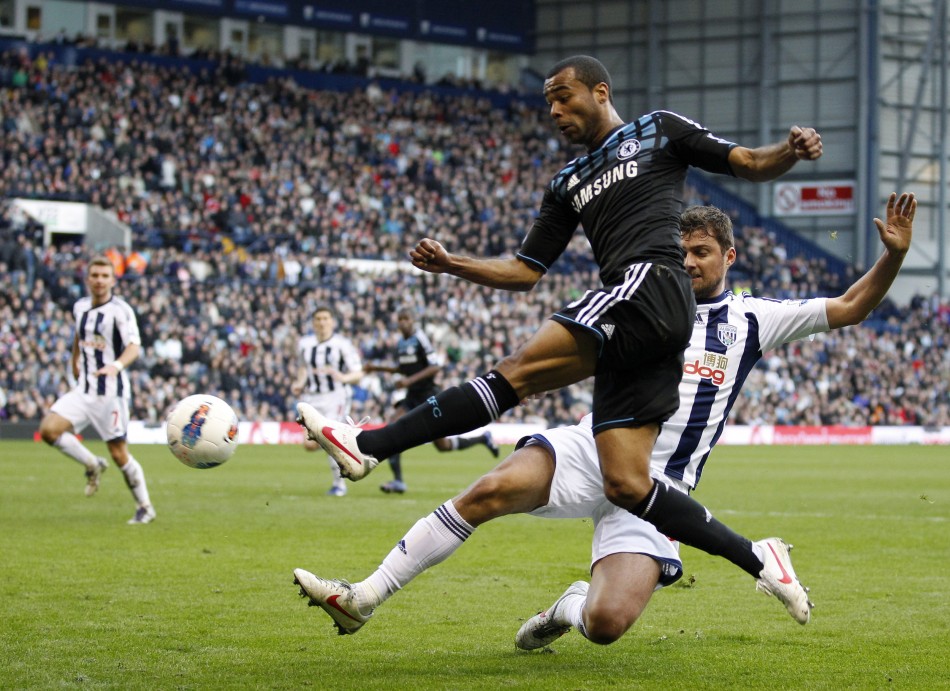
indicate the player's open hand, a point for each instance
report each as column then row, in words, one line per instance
column 896, row 233
column 109, row 370
column 805, row 142
column 430, row 256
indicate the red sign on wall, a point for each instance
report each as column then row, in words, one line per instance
column 831, row 198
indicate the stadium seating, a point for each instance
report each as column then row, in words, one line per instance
column 244, row 197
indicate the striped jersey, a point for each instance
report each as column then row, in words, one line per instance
column 730, row 334
column 102, row 333
column 627, row 194
column 336, row 353
column 415, row 353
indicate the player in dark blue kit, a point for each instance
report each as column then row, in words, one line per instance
column 418, row 365
column 630, row 334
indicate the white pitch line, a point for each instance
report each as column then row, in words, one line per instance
column 838, row 516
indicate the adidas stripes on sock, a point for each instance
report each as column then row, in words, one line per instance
column 456, row 410
column 430, row 541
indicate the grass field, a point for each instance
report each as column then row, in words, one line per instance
column 203, row 597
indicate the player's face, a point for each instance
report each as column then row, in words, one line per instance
column 323, row 325
column 100, row 280
column 404, row 321
column 577, row 111
column 706, row 263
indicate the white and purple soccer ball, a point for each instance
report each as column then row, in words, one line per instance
column 202, row 431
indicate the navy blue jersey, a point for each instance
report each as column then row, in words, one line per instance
column 414, row 354
column 627, row 194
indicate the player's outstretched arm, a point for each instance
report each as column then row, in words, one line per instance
column 505, row 274
column 867, row 292
column 769, row 162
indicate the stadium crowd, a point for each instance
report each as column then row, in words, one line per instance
column 244, row 198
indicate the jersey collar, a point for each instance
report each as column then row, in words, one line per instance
column 712, row 301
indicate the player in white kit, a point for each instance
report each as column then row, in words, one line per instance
column 106, row 341
column 329, row 365
column 556, row 474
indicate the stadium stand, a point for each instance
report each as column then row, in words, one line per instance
column 253, row 201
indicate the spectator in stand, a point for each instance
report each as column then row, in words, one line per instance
column 345, row 169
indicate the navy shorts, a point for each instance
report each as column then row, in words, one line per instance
column 644, row 325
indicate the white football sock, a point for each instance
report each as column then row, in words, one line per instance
column 70, row 445
column 430, row 541
column 571, row 611
column 135, row 479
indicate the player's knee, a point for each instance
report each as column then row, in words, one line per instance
column 626, row 491
column 49, row 432
column 605, row 627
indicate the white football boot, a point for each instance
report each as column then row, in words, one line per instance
column 336, row 598
column 778, row 578
column 338, row 439
column 94, row 474
column 543, row 628
column 143, row 515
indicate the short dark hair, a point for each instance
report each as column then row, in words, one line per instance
column 587, row 70
column 710, row 220
column 324, row 307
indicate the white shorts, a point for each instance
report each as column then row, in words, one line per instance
column 577, row 491
column 108, row 415
column 334, row 405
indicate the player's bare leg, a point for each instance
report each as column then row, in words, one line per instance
column 520, row 483
column 621, row 585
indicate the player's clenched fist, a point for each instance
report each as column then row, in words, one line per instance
column 430, row 256
column 805, row 142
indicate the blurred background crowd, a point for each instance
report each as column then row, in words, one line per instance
column 252, row 203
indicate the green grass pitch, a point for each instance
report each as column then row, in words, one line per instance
column 203, row 597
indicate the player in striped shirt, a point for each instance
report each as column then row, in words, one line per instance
column 329, row 365
column 418, row 364
column 556, row 474
column 105, row 342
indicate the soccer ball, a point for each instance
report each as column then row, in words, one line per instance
column 202, row 431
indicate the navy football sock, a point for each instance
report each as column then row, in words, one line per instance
column 454, row 411
column 395, row 462
column 679, row 516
